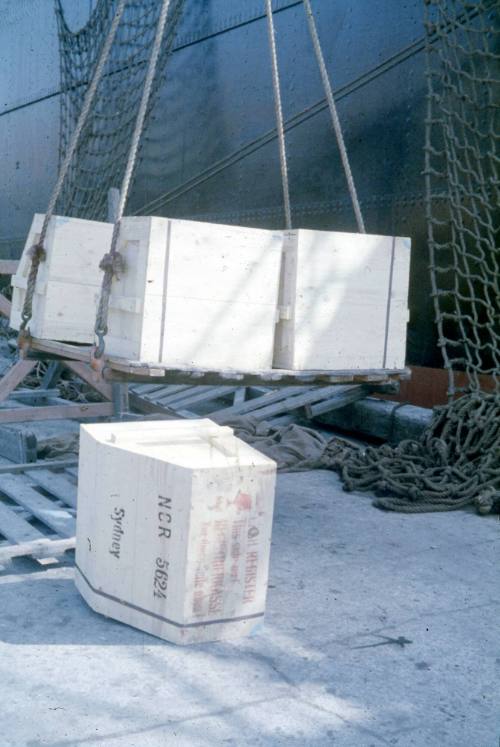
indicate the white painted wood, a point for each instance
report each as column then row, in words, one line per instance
column 343, row 301
column 195, row 294
column 68, row 281
column 174, row 528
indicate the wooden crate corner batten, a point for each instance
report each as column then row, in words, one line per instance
column 343, row 301
column 68, row 282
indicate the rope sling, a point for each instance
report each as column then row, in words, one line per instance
column 38, row 251
column 112, row 263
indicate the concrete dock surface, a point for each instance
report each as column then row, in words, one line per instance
column 381, row 629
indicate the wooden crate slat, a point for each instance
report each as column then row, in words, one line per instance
column 19, row 490
column 298, row 400
column 168, row 398
column 148, row 389
column 253, row 404
column 341, row 399
column 203, row 396
column 239, row 395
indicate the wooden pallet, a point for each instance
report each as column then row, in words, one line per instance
column 112, row 369
column 222, row 403
column 37, row 510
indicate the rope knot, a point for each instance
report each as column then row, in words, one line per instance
column 488, row 501
column 414, row 492
column 112, row 264
column 37, row 253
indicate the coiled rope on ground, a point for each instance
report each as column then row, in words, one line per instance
column 455, row 463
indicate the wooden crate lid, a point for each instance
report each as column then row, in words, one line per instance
column 193, row 444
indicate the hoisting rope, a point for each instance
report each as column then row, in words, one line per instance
column 112, row 263
column 334, row 114
column 279, row 115
column 37, row 252
column 331, row 105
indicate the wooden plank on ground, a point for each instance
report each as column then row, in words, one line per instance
column 147, row 407
column 56, row 483
column 340, row 399
column 16, row 529
column 149, row 389
column 168, row 397
column 44, row 464
column 56, row 412
column 297, row 401
column 203, row 396
column 249, row 406
column 17, row 488
column 43, row 548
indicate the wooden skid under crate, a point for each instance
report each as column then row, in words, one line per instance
column 119, row 369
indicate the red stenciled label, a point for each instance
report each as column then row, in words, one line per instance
column 243, row 502
column 216, row 597
column 251, row 566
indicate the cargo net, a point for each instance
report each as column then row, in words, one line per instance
column 101, row 155
column 457, row 460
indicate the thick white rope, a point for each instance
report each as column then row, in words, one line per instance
column 279, row 115
column 334, row 114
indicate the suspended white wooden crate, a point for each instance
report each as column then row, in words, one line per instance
column 195, row 294
column 343, row 301
column 174, row 528
column 68, row 282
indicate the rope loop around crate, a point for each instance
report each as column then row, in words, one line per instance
column 112, row 263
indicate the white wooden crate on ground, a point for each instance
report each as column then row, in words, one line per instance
column 343, row 301
column 68, row 282
column 174, row 528
column 195, row 294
